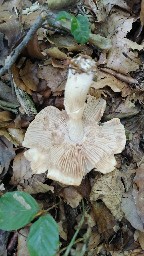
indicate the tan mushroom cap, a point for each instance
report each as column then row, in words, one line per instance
column 52, row 150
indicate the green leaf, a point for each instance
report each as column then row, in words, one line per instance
column 80, row 28
column 64, row 16
column 43, row 238
column 100, row 41
column 17, row 209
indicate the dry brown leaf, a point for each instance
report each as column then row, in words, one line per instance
column 53, row 76
column 5, row 116
column 109, row 189
column 129, row 208
column 12, row 30
column 122, row 56
column 22, row 249
column 62, row 233
column 54, row 52
column 29, row 75
column 104, row 219
column 65, row 42
column 21, row 169
column 6, row 134
column 142, row 13
column 115, row 84
column 56, row 63
column 141, row 239
column 33, row 48
column 60, row 4
column 138, row 192
column 7, row 94
column 29, row 19
column 127, row 108
column 103, row 7
column 18, row 81
column 17, row 134
column 7, row 153
column 2, row 188
column 93, row 242
column 71, row 196
column 35, row 185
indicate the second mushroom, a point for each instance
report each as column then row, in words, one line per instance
column 70, row 143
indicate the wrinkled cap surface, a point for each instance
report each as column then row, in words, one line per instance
column 52, row 150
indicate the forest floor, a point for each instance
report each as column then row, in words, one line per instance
column 106, row 210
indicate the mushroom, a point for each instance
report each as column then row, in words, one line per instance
column 70, row 143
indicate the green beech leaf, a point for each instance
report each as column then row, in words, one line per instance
column 80, row 28
column 17, row 209
column 64, row 16
column 43, row 238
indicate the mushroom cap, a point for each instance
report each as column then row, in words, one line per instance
column 52, row 150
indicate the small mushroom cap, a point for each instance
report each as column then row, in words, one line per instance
column 52, row 150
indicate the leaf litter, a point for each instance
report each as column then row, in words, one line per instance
column 113, row 201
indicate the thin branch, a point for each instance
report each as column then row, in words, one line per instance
column 122, row 77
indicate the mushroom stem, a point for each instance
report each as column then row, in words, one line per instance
column 77, row 87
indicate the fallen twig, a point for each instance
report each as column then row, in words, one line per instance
column 124, row 78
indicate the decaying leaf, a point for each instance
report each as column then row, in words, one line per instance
column 53, row 76
column 129, row 208
column 67, row 42
column 12, row 30
column 71, row 196
column 138, row 192
column 126, row 109
column 100, row 41
column 93, row 242
column 7, row 135
column 141, row 238
column 22, row 249
column 104, row 219
column 4, row 235
column 21, row 169
column 123, row 56
column 18, row 81
column 7, row 153
column 59, row 4
column 54, row 52
column 35, row 185
column 102, row 7
column 2, row 188
column 142, row 13
column 7, row 94
column 5, row 116
column 109, row 189
column 17, row 134
column 33, row 48
column 104, row 79
column 29, row 76
column 62, row 233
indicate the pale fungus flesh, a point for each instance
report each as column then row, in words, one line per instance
column 69, row 144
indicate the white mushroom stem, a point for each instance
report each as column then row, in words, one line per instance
column 77, row 87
